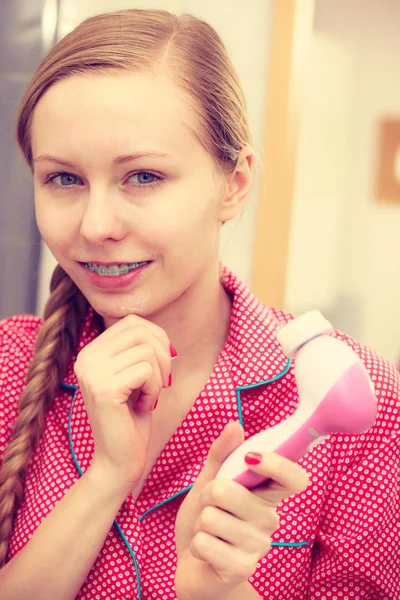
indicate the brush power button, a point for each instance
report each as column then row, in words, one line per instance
column 316, row 442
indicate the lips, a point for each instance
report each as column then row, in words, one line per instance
column 110, row 277
column 111, row 264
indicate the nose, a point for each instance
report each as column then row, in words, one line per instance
column 100, row 220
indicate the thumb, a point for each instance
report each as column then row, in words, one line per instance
column 230, row 438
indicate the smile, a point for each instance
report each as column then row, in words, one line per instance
column 114, row 270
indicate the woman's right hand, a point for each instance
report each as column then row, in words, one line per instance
column 121, row 374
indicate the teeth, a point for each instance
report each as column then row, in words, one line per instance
column 113, row 270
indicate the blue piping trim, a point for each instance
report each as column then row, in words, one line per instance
column 165, row 502
column 77, row 465
column 239, row 390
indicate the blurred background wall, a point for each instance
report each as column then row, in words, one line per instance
column 343, row 248
column 20, row 54
column 344, row 254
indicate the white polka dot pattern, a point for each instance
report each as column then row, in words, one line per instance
column 348, row 514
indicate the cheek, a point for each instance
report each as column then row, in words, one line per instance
column 56, row 232
column 184, row 232
column 192, row 214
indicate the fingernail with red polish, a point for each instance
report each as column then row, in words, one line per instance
column 173, row 352
column 155, row 405
column 170, row 380
column 253, row 458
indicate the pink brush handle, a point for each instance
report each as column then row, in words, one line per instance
column 349, row 407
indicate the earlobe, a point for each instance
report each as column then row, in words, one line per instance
column 238, row 187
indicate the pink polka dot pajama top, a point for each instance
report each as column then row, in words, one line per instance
column 339, row 539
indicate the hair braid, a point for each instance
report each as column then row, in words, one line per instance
column 56, row 341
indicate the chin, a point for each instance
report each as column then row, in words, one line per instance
column 120, row 310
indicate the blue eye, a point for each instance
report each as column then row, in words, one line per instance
column 68, row 181
column 145, row 178
column 65, row 179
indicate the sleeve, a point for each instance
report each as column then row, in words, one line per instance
column 4, row 421
column 17, row 336
column 356, row 553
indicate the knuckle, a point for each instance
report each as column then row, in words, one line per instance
column 146, row 370
column 301, row 481
column 142, row 331
column 270, row 521
column 131, row 320
column 99, row 393
column 166, row 342
column 262, row 544
column 160, row 331
column 207, row 516
column 275, row 521
column 198, row 541
column 148, row 351
column 277, row 463
column 296, row 479
column 217, row 491
column 305, row 481
column 162, row 335
column 98, row 389
column 138, row 328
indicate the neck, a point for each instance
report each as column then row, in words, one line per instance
column 198, row 322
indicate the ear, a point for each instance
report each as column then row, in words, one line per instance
column 238, row 186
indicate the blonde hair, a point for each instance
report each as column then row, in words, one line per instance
column 196, row 59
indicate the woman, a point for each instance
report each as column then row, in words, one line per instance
column 153, row 362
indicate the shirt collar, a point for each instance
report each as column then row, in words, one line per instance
column 256, row 355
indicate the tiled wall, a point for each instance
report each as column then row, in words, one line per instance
column 20, row 55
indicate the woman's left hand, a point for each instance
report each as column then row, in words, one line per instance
column 223, row 529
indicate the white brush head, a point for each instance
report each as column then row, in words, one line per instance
column 301, row 330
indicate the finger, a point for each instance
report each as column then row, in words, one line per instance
column 143, row 376
column 142, row 335
column 242, row 503
column 129, row 339
column 288, row 477
column 133, row 321
column 230, row 529
column 127, row 323
column 229, row 562
column 115, row 389
column 151, row 389
column 142, row 350
column 230, row 438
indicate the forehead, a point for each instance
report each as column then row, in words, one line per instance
column 92, row 110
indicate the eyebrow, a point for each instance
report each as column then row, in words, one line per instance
column 117, row 161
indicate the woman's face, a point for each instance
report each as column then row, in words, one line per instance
column 161, row 205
